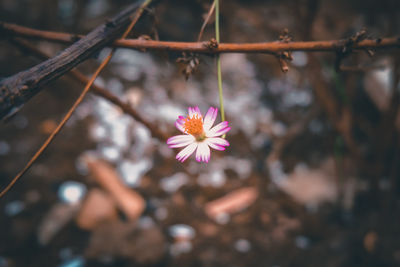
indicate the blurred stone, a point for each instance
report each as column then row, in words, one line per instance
column 98, row 207
column 242, row 245
column 55, row 219
column 48, row 126
column 128, row 200
column 232, row 202
column 125, row 240
column 370, row 240
column 311, row 186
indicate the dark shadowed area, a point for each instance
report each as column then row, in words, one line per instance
column 311, row 176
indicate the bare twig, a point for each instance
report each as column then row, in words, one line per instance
column 210, row 12
column 199, row 47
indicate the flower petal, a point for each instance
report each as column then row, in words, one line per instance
column 186, row 152
column 209, row 118
column 180, row 140
column 217, row 143
column 218, row 130
column 203, row 152
column 179, row 124
column 194, row 111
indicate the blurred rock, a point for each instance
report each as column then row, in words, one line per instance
column 130, row 202
column 58, row 216
column 311, row 186
column 370, row 240
column 232, row 202
column 126, row 240
column 98, row 207
column 48, row 126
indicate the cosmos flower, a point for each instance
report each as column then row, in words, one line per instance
column 198, row 135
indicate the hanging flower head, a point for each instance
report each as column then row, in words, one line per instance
column 198, row 135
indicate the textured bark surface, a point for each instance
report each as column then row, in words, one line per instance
column 19, row 88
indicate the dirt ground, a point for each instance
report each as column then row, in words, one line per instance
column 292, row 189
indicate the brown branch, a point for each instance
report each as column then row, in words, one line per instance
column 137, row 12
column 19, row 88
column 98, row 90
column 202, row 47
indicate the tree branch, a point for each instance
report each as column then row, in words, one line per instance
column 19, row 88
column 204, row 47
column 96, row 89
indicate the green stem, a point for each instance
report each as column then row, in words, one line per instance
column 219, row 73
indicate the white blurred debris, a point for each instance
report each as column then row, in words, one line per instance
column 115, row 86
column 96, row 8
column 146, row 222
column 297, row 97
column 4, row 262
column 299, row 59
column 182, row 231
column 4, row 148
column 131, row 65
column 134, row 96
column 98, row 207
column 302, row 242
column 161, row 213
column 128, row 200
column 242, row 245
column 316, row 126
column 14, row 207
column 172, row 183
column 222, row 218
column 242, row 166
column 310, row 186
column 55, row 219
column 180, row 247
column 378, row 86
column 98, row 132
column 276, row 171
column 75, row 262
column 133, row 171
column 232, row 202
column 20, row 121
column 214, row 178
column 182, row 235
column 110, row 153
column 71, row 192
column 65, row 253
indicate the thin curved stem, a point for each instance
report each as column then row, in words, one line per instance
column 219, row 72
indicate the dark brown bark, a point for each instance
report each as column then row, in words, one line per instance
column 19, row 88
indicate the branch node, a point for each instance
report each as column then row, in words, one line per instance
column 211, row 44
column 285, row 56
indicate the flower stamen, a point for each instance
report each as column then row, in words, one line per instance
column 194, row 126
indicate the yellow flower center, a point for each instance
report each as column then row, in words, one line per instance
column 194, row 126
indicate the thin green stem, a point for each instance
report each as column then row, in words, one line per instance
column 219, row 73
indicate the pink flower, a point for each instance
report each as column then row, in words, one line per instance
column 198, row 135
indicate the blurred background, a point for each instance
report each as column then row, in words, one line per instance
column 311, row 177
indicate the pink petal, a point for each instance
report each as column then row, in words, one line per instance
column 210, row 117
column 179, row 123
column 180, row 140
column 194, row 111
column 217, row 143
column 218, row 130
column 186, row 152
column 203, row 152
